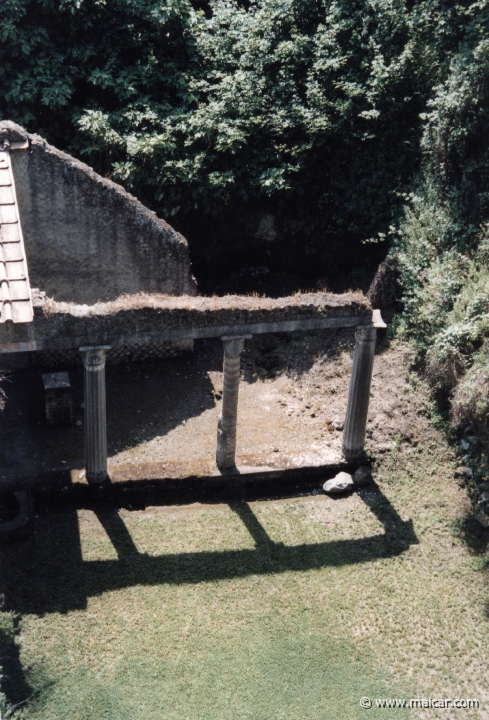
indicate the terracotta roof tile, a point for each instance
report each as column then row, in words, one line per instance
column 15, row 291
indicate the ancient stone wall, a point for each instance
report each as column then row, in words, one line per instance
column 87, row 239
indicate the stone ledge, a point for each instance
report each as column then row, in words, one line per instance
column 142, row 318
column 179, row 479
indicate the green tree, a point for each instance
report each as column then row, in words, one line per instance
column 200, row 105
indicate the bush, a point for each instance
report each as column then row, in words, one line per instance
column 442, row 242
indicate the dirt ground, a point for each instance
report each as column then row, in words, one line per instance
column 293, row 392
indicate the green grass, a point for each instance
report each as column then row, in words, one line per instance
column 257, row 639
column 269, row 669
column 280, row 610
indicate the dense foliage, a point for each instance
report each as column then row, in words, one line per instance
column 202, row 105
column 443, row 241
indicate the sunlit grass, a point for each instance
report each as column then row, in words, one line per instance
column 291, row 608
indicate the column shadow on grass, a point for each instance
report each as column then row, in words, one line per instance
column 47, row 573
column 476, row 539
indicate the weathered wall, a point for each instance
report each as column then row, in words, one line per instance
column 86, row 238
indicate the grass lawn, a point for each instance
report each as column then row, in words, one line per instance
column 283, row 609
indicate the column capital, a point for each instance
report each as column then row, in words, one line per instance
column 366, row 334
column 234, row 344
column 94, row 356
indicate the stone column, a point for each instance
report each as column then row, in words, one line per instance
column 226, row 427
column 95, row 413
column 359, row 394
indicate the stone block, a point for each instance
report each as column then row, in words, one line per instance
column 343, row 482
column 363, row 476
column 57, row 395
column 483, row 519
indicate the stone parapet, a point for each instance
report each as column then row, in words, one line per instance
column 144, row 318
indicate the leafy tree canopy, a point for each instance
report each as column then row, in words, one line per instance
column 196, row 105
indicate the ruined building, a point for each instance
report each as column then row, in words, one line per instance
column 86, row 269
column 75, row 237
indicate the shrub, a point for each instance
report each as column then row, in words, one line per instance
column 442, row 242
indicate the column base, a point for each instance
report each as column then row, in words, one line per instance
column 352, row 455
column 97, row 478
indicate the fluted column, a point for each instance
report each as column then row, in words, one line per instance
column 95, row 413
column 359, row 394
column 226, row 427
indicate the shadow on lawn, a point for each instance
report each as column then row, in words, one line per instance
column 46, row 573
